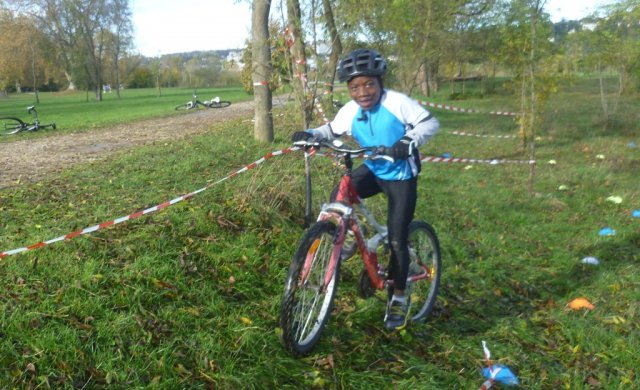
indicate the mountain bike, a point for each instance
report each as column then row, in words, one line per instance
column 12, row 125
column 195, row 103
column 343, row 227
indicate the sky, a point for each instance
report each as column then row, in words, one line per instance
column 170, row 26
column 178, row 26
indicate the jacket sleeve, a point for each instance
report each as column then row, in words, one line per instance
column 424, row 130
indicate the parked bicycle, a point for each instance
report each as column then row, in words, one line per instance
column 313, row 275
column 195, row 103
column 12, row 125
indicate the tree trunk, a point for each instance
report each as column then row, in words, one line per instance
column 261, row 70
column 298, row 60
column 336, row 50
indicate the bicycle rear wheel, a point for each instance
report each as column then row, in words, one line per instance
column 308, row 295
column 220, row 104
column 10, row 125
column 424, row 269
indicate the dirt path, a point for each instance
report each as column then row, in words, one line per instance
column 32, row 160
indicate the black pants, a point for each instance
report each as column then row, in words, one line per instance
column 401, row 205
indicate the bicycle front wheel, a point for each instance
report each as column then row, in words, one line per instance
column 220, row 104
column 424, row 269
column 11, row 125
column 310, row 289
column 184, row 107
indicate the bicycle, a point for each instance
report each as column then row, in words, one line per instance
column 195, row 103
column 313, row 275
column 12, row 125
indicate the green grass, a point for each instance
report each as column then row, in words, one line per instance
column 189, row 297
column 77, row 111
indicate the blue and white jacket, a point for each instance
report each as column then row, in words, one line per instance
column 395, row 116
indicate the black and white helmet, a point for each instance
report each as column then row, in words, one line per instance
column 361, row 62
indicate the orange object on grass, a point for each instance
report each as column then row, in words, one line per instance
column 581, row 303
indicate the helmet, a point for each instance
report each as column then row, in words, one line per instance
column 361, row 62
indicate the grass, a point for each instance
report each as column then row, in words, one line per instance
column 79, row 111
column 189, row 297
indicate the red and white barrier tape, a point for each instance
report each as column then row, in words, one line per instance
column 150, row 210
column 464, row 133
column 466, row 110
column 495, row 161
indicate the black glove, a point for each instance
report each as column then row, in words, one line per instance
column 301, row 136
column 402, row 149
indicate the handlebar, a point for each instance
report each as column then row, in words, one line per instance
column 371, row 152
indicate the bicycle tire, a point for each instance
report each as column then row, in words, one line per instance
column 306, row 305
column 11, row 125
column 220, row 104
column 184, row 107
column 424, row 249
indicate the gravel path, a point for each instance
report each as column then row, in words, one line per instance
column 32, row 160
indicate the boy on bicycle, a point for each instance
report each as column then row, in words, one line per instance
column 380, row 117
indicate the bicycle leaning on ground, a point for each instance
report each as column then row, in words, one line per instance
column 195, row 103
column 12, row 125
column 313, row 275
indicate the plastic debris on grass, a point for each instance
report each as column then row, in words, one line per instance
column 581, row 303
column 635, row 213
column 631, row 145
column 590, row 260
column 600, row 156
column 552, row 162
column 607, row 232
column 614, row 199
column 563, row 187
column 496, row 372
column 446, row 155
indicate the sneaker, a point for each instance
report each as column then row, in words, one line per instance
column 397, row 314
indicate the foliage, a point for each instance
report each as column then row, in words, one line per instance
column 188, row 297
column 280, row 75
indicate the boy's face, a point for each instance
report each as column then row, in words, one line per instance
column 365, row 90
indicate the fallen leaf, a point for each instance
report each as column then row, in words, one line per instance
column 581, row 303
column 614, row 199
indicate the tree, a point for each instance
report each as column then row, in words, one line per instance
column 22, row 40
column 527, row 33
column 298, row 59
column 336, row 51
column 80, row 30
column 419, row 45
column 119, row 37
column 261, row 70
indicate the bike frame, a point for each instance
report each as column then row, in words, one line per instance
column 341, row 212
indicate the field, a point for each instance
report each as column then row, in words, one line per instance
column 188, row 297
column 79, row 111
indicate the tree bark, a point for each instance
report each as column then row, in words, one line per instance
column 336, row 48
column 298, row 60
column 261, row 70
